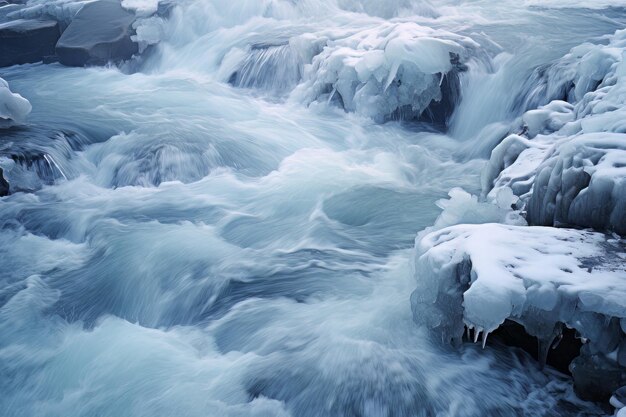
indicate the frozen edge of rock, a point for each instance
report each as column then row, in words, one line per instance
column 478, row 276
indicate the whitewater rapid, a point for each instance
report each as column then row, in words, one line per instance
column 192, row 247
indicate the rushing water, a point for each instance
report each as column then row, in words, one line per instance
column 201, row 249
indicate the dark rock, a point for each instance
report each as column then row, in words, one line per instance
column 50, row 59
column 595, row 377
column 99, row 33
column 561, row 352
column 25, row 41
column 4, row 185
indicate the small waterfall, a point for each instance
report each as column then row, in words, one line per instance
column 272, row 68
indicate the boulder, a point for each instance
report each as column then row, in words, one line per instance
column 100, row 33
column 24, row 41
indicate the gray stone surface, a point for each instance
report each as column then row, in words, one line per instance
column 25, row 41
column 100, row 33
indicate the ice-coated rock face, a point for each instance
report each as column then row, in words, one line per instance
column 388, row 71
column 99, row 33
column 568, row 164
column 25, row 41
column 13, row 107
column 478, row 276
column 583, row 183
column 394, row 72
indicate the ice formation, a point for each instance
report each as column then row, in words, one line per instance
column 13, row 107
column 555, row 276
column 564, row 164
column 478, row 276
column 567, row 162
column 394, row 70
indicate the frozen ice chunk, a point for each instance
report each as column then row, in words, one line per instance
column 568, row 166
column 13, row 107
column 395, row 70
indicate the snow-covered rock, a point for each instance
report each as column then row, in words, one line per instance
column 394, row 71
column 568, row 164
column 478, row 276
column 385, row 70
column 13, row 107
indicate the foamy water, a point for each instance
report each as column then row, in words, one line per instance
column 204, row 248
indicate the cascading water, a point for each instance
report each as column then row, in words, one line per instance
column 217, row 232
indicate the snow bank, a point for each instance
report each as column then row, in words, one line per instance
column 568, row 161
column 13, row 107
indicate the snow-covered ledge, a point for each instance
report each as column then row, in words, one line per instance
column 544, row 278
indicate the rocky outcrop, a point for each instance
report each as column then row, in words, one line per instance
column 25, row 41
column 99, row 33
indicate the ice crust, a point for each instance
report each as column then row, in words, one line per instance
column 567, row 160
column 13, row 107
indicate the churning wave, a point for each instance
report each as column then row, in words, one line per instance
column 223, row 226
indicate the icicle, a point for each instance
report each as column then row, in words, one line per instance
column 468, row 335
column 485, row 335
column 543, row 349
column 332, row 94
column 477, row 334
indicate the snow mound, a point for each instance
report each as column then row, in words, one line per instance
column 481, row 275
column 13, row 107
column 567, row 161
column 395, row 70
